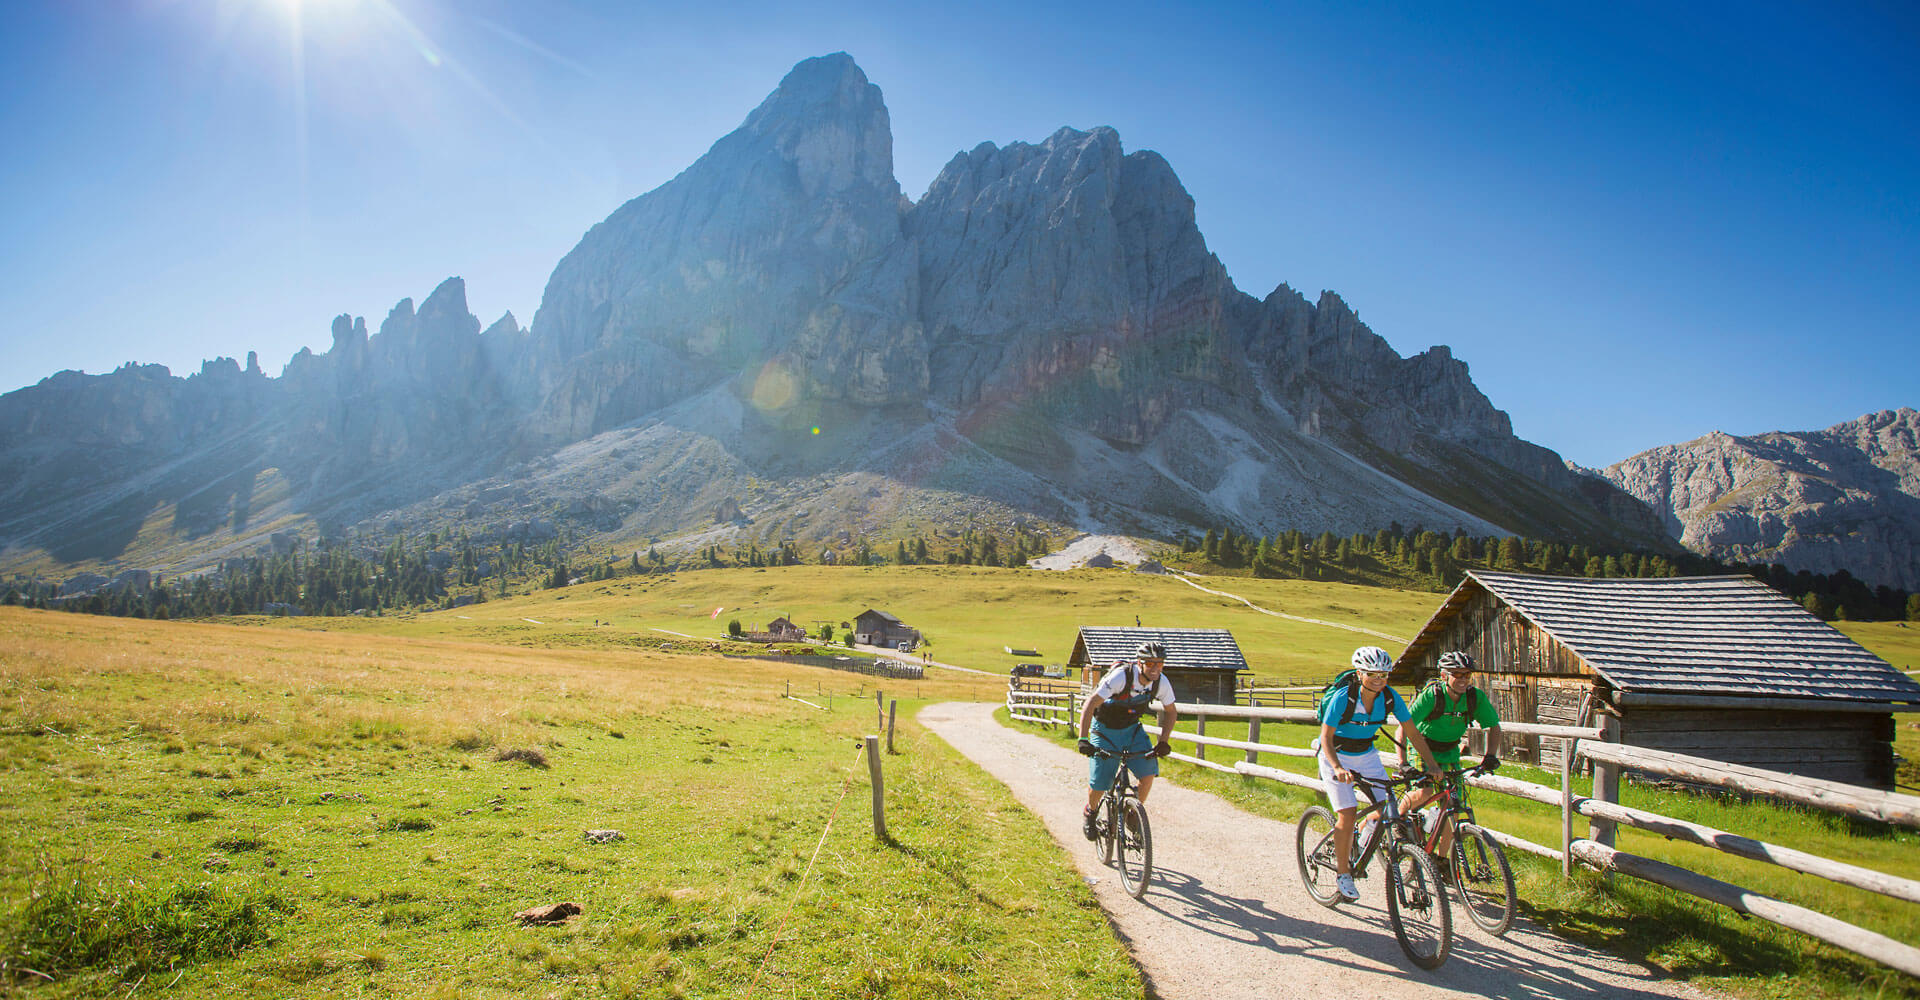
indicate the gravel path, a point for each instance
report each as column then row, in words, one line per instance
column 1226, row 918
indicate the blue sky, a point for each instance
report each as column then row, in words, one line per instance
column 1635, row 222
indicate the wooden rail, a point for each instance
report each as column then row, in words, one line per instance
column 1599, row 745
column 1059, row 709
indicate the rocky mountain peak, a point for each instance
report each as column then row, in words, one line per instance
column 1844, row 497
column 831, row 123
column 1044, row 334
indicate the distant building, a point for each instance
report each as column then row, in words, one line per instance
column 878, row 628
column 1203, row 664
column 779, row 630
column 1721, row 667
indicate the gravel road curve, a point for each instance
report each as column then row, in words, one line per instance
column 1226, row 917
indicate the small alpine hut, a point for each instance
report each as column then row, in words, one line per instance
column 1203, row 664
column 877, row 628
column 1721, row 667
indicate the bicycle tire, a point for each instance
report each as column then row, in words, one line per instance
column 1313, row 851
column 1136, row 848
column 1483, row 878
column 1417, row 906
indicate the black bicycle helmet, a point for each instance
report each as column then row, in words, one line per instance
column 1456, row 661
column 1150, row 651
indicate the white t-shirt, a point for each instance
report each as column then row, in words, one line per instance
column 1110, row 686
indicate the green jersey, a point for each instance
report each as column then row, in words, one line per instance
column 1444, row 727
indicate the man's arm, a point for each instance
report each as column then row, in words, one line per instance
column 1093, row 704
column 1489, row 717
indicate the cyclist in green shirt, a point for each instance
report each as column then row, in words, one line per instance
column 1441, row 713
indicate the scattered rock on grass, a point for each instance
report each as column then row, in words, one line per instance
column 603, row 836
column 548, row 916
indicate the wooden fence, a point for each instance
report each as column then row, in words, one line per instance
column 1600, row 747
column 871, row 666
column 1048, row 704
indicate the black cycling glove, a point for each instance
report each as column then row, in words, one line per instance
column 1490, row 763
column 1086, row 747
column 1162, row 748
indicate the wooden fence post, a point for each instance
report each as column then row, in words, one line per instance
column 1606, row 784
column 879, row 718
column 1567, row 752
column 1253, row 736
column 1199, row 729
column 879, row 788
column 891, row 705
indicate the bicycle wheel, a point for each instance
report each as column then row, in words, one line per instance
column 1417, row 907
column 1136, row 848
column 1313, row 849
column 1484, row 880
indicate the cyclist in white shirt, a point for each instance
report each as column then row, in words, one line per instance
column 1110, row 722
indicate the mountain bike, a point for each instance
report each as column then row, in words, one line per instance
column 1476, row 863
column 1416, row 905
column 1125, row 838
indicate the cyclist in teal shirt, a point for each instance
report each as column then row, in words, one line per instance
column 1350, row 718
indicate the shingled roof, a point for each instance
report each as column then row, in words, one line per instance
column 1187, row 648
column 1702, row 635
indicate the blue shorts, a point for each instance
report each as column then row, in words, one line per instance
column 1128, row 739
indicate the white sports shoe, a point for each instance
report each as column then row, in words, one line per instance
column 1345, row 883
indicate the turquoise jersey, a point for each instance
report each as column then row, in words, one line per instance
column 1365, row 724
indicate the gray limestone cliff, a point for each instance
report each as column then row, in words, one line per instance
column 1043, row 338
column 1847, row 497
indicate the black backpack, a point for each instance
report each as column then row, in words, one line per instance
column 1350, row 679
column 1439, row 689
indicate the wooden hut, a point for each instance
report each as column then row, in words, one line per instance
column 1721, row 667
column 878, row 628
column 1203, row 664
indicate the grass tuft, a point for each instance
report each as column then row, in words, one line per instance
column 533, row 758
column 71, row 923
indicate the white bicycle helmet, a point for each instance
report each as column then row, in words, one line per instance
column 1456, row 661
column 1372, row 660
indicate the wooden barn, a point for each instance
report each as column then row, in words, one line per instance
column 1721, row 667
column 1203, row 664
column 779, row 630
column 878, row 628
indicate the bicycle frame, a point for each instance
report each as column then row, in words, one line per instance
column 1123, row 782
column 1453, row 807
column 1386, row 804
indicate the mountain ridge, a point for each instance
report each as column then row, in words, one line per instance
column 1043, row 339
column 1846, row 497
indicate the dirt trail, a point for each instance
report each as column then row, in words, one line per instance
column 1226, row 918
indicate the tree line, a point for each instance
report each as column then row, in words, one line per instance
column 1414, row 557
column 335, row 577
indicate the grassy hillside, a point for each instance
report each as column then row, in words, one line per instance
column 329, row 810
column 305, row 816
column 970, row 613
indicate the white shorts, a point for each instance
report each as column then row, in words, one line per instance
column 1365, row 763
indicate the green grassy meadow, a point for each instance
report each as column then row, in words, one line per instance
column 321, row 799
column 335, row 810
